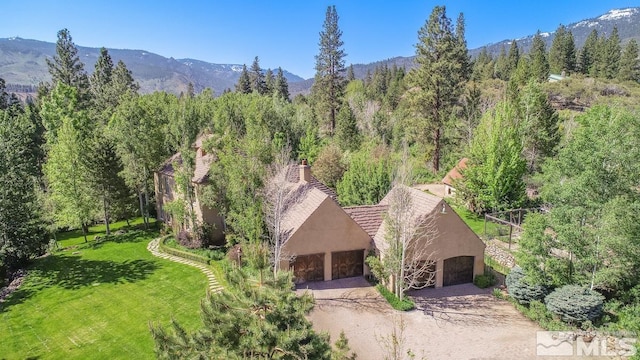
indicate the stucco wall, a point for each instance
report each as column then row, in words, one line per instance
column 327, row 230
column 454, row 239
column 209, row 216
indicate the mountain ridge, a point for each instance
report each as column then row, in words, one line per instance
column 22, row 61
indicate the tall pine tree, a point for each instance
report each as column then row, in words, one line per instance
column 328, row 86
column 243, row 85
column 256, row 78
column 281, row 85
column 539, row 65
column 629, row 63
column 438, row 79
column 66, row 67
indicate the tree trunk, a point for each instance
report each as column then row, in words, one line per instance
column 141, row 202
column 84, row 231
column 436, row 151
column 105, row 207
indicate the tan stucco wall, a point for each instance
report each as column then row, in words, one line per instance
column 327, row 230
column 203, row 213
column 454, row 239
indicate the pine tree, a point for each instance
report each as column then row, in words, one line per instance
column 513, row 58
column 502, row 65
column 612, row 54
column 588, row 54
column 22, row 231
column 329, row 81
column 256, row 78
column 101, row 81
column 539, row 64
column 281, row 85
column 562, row 55
column 243, row 85
column 123, row 81
column 347, row 132
column 350, row 74
column 629, row 63
column 269, row 82
column 438, row 79
column 66, row 67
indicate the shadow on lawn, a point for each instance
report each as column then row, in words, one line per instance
column 73, row 272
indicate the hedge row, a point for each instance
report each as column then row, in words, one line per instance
column 394, row 301
column 182, row 254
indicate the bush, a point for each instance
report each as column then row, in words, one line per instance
column 498, row 293
column 537, row 312
column 186, row 239
column 484, row 281
column 575, row 304
column 520, row 290
column 394, row 301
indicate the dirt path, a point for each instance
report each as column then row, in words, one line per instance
column 456, row 322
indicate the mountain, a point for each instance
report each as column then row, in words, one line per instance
column 22, row 62
column 626, row 20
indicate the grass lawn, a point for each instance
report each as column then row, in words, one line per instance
column 96, row 300
column 475, row 222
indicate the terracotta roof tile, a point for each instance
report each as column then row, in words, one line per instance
column 454, row 174
column 369, row 217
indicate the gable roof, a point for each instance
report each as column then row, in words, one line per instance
column 202, row 162
column 293, row 176
column 423, row 203
column 368, row 217
column 310, row 199
column 454, row 174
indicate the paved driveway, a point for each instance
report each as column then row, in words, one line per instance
column 455, row 322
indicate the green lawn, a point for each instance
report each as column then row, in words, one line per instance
column 475, row 222
column 95, row 301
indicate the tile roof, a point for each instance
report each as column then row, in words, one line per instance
column 293, row 176
column 454, row 174
column 423, row 205
column 309, row 199
column 369, row 217
column 203, row 162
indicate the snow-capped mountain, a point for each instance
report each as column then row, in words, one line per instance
column 626, row 20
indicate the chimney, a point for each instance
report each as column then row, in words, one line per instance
column 305, row 172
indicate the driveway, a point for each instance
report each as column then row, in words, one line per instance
column 455, row 322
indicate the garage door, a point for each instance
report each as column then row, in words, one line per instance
column 347, row 264
column 308, row 267
column 458, row 270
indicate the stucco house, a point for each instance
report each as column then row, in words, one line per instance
column 322, row 242
column 455, row 250
column 164, row 182
column 452, row 176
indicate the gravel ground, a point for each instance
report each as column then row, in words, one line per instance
column 455, row 322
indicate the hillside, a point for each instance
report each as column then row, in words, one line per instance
column 22, row 62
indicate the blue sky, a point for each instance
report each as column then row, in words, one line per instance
column 282, row 33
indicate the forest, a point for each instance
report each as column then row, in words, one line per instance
column 84, row 150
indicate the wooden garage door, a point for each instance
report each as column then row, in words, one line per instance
column 347, row 264
column 458, row 270
column 308, row 267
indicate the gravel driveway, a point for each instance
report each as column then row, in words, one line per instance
column 455, row 322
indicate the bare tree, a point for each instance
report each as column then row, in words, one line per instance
column 407, row 261
column 280, row 196
column 394, row 344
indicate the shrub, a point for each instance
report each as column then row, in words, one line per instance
column 575, row 303
column 497, row 292
column 186, row 239
column 394, row 301
column 520, row 290
column 484, row 281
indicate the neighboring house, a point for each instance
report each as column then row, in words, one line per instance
column 457, row 251
column 164, row 182
column 321, row 241
column 556, row 77
column 453, row 175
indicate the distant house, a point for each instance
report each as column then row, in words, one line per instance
column 321, row 241
column 556, row 77
column 164, row 181
column 452, row 176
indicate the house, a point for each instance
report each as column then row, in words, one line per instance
column 322, row 242
column 453, row 175
column 556, row 77
column 164, row 182
column 455, row 250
